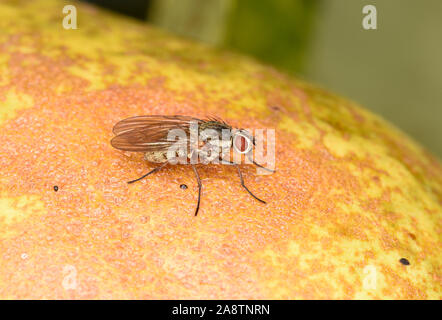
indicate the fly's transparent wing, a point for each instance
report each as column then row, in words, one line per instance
column 152, row 122
column 149, row 133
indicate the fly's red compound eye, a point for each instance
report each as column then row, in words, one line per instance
column 241, row 143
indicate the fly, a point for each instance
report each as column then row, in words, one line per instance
column 150, row 135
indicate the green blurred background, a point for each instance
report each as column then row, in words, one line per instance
column 396, row 70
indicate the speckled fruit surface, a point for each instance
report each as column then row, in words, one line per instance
column 351, row 197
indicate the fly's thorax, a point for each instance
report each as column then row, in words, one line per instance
column 214, row 149
column 156, row 156
column 220, row 144
column 215, row 125
column 212, row 142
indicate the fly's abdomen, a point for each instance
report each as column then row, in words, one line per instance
column 156, row 156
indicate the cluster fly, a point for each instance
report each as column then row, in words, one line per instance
column 151, row 135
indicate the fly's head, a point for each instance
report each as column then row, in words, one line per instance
column 242, row 141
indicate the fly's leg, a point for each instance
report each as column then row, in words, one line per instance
column 242, row 184
column 199, row 188
column 241, row 178
column 171, row 161
column 150, row 172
